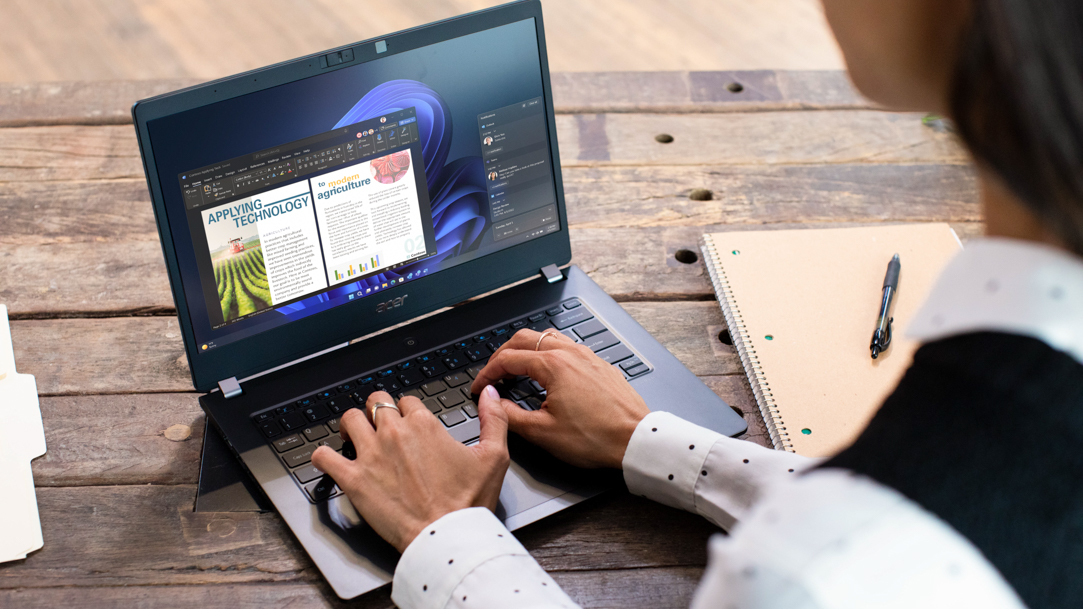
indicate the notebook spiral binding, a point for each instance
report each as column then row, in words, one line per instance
column 761, row 389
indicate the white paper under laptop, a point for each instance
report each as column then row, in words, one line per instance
column 22, row 439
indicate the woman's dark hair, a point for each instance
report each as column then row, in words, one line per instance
column 1017, row 98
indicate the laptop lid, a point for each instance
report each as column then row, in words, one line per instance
column 314, row 201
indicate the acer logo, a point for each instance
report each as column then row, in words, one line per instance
column 391, row 304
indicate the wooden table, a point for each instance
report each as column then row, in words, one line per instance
column 81, row 270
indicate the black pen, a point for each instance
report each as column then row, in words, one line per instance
column 881, row 338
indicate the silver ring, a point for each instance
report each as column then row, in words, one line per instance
column 541, row 338
column 379, row 405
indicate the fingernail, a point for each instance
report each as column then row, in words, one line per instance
column 491, row 392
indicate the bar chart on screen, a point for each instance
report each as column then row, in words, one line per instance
column 360, row 269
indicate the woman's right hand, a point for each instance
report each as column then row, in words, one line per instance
column 590, row 410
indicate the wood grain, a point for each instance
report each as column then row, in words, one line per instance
column 148, row 535
column 77, row 152
column 146, row 355
column 647, row 588
column 110, row 102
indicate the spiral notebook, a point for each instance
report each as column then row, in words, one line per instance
column 801, row 307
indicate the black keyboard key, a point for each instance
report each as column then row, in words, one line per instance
column 333, row 424
column 385, row 373
column 344, row 388
column 425, row 359
column 339, row 405
column 299, row 456
column 284, row 409
column 615, row 354
column 475, row 369
column 571, row 304
column 433, row 387
column 433, row 369
column 540, row 326
column 367, row 380
column 292, row 421
column 518, row 325
column 389, row 386
column 442, row 352
column 334, row 441
column 322, row 489
column 589, row 328
column 450, row 399
column 480, row 338
column 632, row 363
column 325, row 395
column 307, row 474
column 566, row 320
column 263, row 416
column 601, row 341
column 433, row 405
column 471, row 411
column 537, row 386
column 478, row 353
column 455, row 361
column 411, row 377
column 501, row 331
column 493, row 345
column 452, row 418
column 637, row 370
column 456, row 379
column 554, row 311
column 534, row 403
column 316, row 413
column 526, row 387
column 315, row 433
column 361, row 396
column 406, row 366
column 462, row 345
column 305, row 403
column 571, row 335
column 287, row 443
column 536, row 317
column 470, row 397
column 270, row 428
column 414, row 393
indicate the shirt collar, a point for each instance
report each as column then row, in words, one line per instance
column 1011, row 286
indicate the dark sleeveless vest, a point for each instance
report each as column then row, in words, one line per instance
column 986, row 431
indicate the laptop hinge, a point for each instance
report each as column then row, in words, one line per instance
column 552, row 273
column 230, row 387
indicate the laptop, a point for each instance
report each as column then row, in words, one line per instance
column 362, row 192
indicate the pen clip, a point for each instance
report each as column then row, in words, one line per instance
column 886, row 337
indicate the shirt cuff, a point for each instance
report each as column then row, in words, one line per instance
column 448, row 550
column 664, row 459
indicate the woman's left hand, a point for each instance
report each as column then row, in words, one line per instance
column 409, row 471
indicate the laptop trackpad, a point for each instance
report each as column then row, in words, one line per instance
column 535, row 477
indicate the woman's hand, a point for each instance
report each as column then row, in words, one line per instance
column 590, row 411
column 410, row 472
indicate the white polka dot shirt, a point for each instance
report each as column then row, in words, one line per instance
column 827, row 539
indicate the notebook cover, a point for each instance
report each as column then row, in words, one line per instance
column 804, row 304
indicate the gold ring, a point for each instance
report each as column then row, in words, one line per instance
column 543, row 337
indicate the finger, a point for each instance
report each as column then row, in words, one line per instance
column 494, row 421
column 532, row 425
column 354, row 425
column 527, row 340
column 329, row 462
column 410, row 404
column 513, row 363
column 382, row 416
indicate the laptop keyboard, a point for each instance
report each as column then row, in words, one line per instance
column 441, row 379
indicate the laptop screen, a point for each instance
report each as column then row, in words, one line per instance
column 307, row 196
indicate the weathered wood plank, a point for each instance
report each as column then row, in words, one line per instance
column 649, row 588
column 101, row 440
column 145, row 354
column 74, row 152
column 127, row 277
column 597, row 197
column 110, row 102
column 148, row 535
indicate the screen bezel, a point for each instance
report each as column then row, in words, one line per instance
column 327, row 329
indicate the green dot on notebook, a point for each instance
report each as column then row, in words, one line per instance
column 806, row 431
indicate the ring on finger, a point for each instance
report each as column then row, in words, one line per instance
column 541, row 338
column 379, row 405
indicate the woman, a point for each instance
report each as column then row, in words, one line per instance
column 966, row 489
